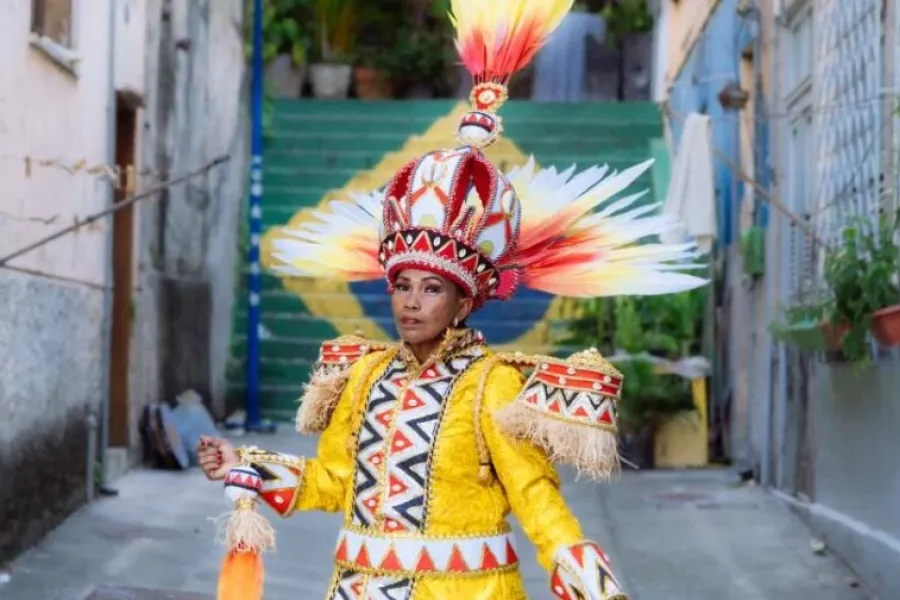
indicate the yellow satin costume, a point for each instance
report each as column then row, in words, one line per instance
column 416, row 459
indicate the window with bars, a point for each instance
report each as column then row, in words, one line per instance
column 849, row 82
column 798, row 63
column 799, row 185
column 53, row 19
column 799, row 176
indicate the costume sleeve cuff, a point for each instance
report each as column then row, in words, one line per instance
column 581, row 572
column 275, row 478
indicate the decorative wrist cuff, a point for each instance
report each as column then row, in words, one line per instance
column 279, row 477
column 582, row 572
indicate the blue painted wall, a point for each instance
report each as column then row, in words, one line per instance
column 711, row 64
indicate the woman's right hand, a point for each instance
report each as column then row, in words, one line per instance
column 216, row 457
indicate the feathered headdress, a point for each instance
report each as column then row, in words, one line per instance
column 454, row 213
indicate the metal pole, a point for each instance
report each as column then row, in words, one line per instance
column 254, row 283
column 106, row 328
column 90, row 472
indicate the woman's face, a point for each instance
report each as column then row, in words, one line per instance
column 425, row 305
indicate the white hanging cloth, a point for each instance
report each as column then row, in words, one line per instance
column 691, row 197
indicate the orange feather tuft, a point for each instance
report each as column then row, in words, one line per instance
column 241, row 577
column 497, row 38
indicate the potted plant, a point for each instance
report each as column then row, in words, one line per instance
column 335, row 35
column 884, row 265
column 862, row 276
column 286, row 41
column 806, row 324
column 422, row 56
column 372, row 75
column 376, row 38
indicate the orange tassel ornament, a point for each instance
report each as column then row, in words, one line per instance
column 247, row 536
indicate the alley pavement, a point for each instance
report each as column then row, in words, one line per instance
column 683, row 535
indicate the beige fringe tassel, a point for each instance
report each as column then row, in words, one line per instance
column 245, row 530
column 593, row 451
column 320, row 397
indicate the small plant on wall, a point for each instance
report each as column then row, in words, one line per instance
column 861, row 275
column 804, row 322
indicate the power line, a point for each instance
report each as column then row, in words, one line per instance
column 79, row 223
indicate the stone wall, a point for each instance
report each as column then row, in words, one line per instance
column 856, row 473
column 194, row 112
column 52, row 328
column 51, row 323
column 50, row 381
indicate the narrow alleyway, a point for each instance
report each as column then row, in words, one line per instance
column 673, row 536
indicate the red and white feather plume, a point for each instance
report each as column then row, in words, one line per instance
column 453, row 212
column 497, row 38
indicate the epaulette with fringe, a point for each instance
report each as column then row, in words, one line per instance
column 568, row 408
column 328, row 378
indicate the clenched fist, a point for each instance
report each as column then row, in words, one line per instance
column 216, row 456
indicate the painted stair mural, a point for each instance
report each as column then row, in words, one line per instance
column 321, row 150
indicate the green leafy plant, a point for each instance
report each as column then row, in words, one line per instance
column 861, row 275
column 649, row 398
column 336, row 24
column 624, row 17
column 667, row 326
column 285, row 29
column 807, row 309
column 418, row 56
column 803, row 322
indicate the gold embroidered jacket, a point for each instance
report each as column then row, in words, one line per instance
column 426, row 462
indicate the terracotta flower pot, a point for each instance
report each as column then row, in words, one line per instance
column 886, row 325
column 371, row 84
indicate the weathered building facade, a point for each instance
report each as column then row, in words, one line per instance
column 100, row 101
column 816, row 144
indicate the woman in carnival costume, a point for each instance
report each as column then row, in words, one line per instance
column 427, row 445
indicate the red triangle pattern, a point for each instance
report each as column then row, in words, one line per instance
column 341, row 553
column 397, row 487
column 578, row 554
column 558, row 587
column 376, row 459
column 422, row 243
column 411, row 401
column 425, row 564
column 447, row 251
column 442, row 245
column 362, row 559
column 457, row 563
column 400, row 442
column 385, row 418
column 488, row 560
column 391, row 562
column 511, row 556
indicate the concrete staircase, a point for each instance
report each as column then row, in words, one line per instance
column 319, row 149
